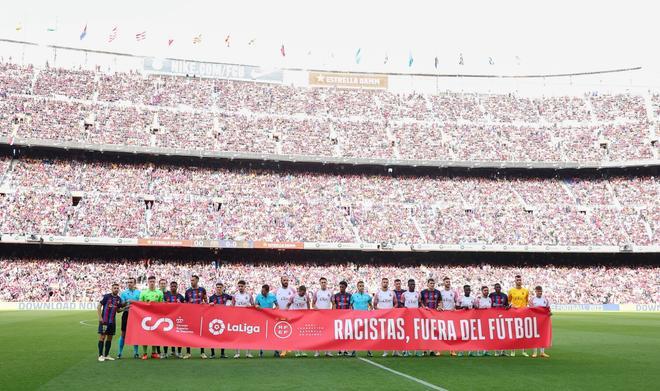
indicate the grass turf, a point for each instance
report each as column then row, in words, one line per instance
column 604, row 351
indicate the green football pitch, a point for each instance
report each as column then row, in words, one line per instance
column 600, row 351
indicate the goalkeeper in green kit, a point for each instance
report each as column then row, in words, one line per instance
column 151, row 295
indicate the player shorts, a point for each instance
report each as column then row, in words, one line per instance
column 108, row 329
column 124, row 321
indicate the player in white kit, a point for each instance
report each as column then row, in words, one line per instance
column 466, row 302
column 242, row 299
column 539, row 301
column 449, row 298
column 322, row 300
column 483, row 302
column 299, row 301
column 411, row 299
column 385, row 299
column 283, row 295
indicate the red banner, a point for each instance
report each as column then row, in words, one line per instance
column 201, row 325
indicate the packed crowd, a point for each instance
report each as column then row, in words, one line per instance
column 92, row 198
column 234, row 116
column 88, row 280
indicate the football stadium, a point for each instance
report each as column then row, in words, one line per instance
column 348, row 195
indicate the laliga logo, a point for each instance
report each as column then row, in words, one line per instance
column 218, row 326
column 167, row 321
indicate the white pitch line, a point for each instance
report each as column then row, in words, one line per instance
column 84, row 322
column 420, row 381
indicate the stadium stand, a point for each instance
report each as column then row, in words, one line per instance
column 86, row 280
column 105, row 199
column 199, row 114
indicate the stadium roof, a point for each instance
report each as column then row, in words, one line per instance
column 510, row 37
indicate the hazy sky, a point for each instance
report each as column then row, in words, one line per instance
column 553, row 36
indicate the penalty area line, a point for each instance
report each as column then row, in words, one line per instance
column 416, row 380
column 84, row 322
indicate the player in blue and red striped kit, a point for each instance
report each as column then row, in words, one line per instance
column 172, row 296
column 499, row 299
column 430, row 298
column 107, row 310
column 195, row 295
column 398, row 293
column 342, row 301
column 220, row 298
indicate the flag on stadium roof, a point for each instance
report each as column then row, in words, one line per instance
column 141, row 36
column 19, row 26
column 227, row 39
column 83, row 34
column 460, row 60
column 436, row 62
column 358, row 56
column 490, row 61
column 410, row 59
column 517, row 60
column 282, row 51
column 52, row 27
column 252, row 42
column 170, row 42
column 197, row 39
column 387, row 59
column 113, row 34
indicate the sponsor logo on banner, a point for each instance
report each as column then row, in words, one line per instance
column 169, row 325
column 347, row 80
column 218, row 326
column 222, row 243
column 284, row 245
column 182, row 327
column 282, row 329
column 584, row 307
column 49, row 306
column 165, row 242
column 213, row 70
column 640, row 307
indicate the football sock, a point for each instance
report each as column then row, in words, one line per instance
column 121, row 345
